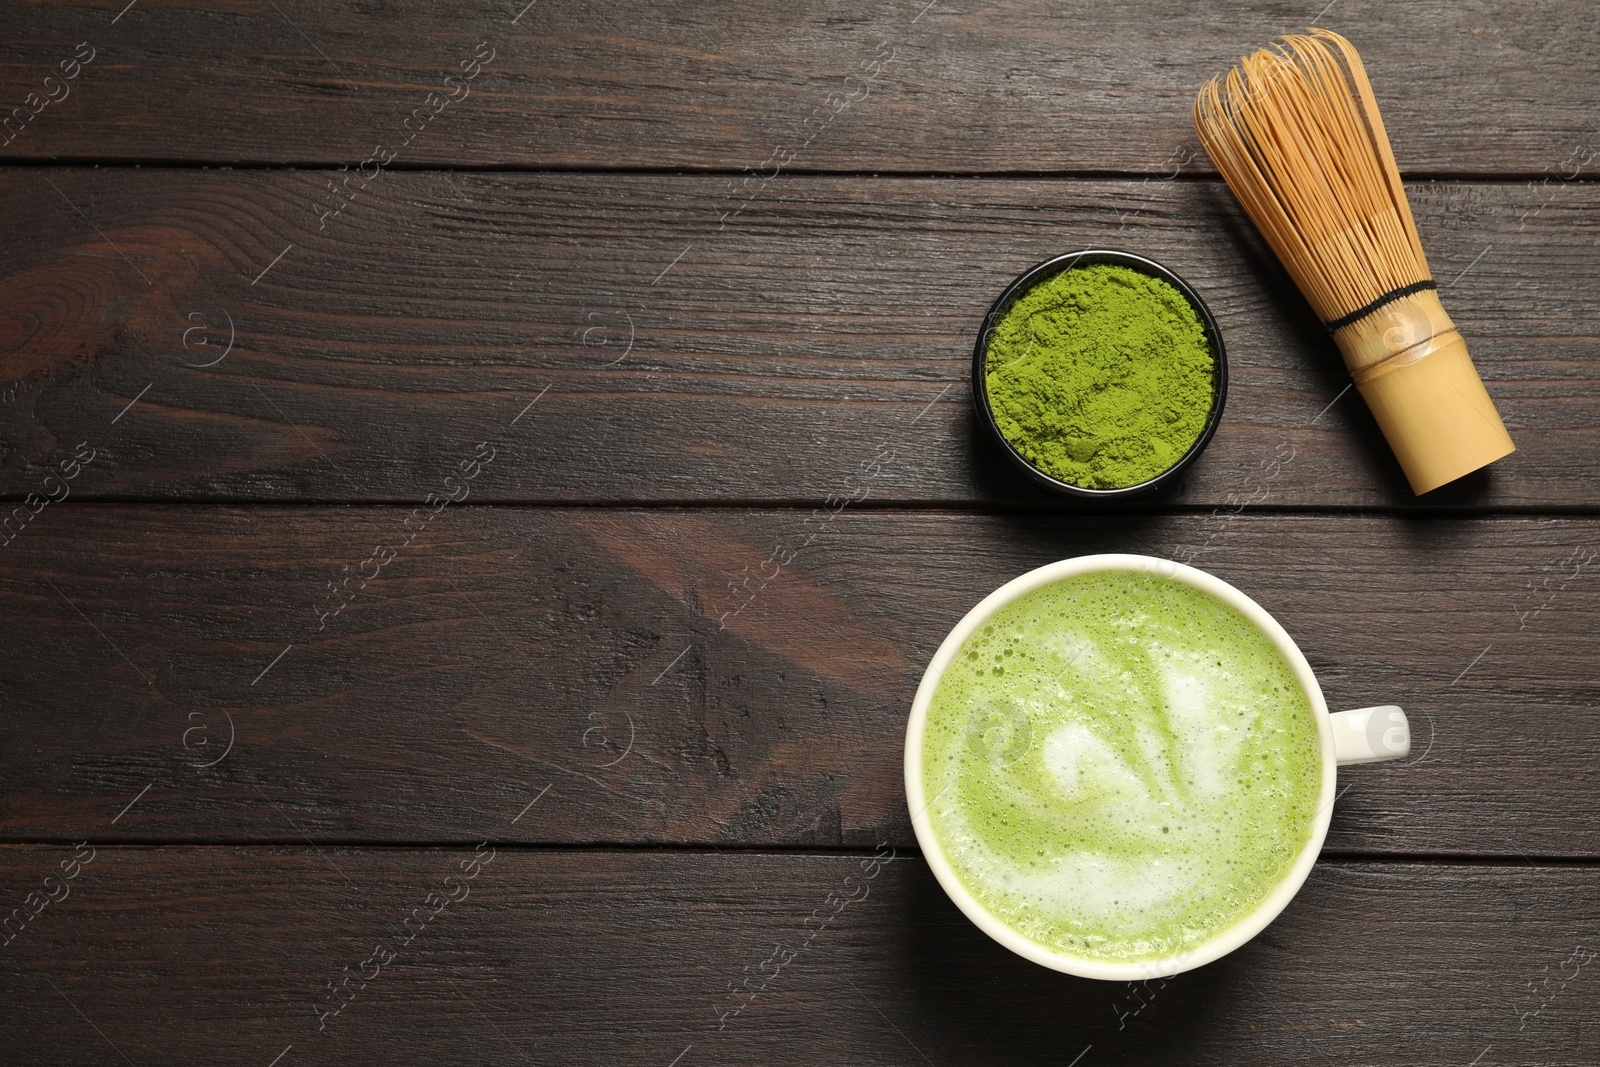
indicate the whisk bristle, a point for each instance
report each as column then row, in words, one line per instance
column 1295, row 131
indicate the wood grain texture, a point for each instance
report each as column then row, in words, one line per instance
column 509, row 651
column 1016, row 85
column 285, row 712
column 223, row 955
column 688, row 357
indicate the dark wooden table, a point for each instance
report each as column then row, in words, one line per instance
column 403, row 405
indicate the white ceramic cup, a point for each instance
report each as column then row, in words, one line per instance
column 1365, row 736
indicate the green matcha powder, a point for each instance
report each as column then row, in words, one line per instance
column 1100, row 376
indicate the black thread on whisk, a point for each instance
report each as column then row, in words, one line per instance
column 1389, row 297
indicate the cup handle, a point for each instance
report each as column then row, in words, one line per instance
column 1370, row 735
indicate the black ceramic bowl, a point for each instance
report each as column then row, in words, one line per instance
column 980, row 392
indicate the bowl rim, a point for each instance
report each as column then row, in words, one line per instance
column 1225, row 940
column 1056, row 265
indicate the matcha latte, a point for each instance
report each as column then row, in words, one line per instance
column 1120, row 766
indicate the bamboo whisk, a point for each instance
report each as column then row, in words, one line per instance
column 1296, row 133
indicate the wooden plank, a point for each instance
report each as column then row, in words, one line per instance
column 576, row 658
column 1006, row 86
column 685, row 359
column 605, row 957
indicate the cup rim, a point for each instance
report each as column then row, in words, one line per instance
column 1055, row 265
column 1225, row 940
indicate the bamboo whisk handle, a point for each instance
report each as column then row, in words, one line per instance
column 1412, row 368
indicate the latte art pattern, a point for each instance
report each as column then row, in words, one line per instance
column 1122, row 766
